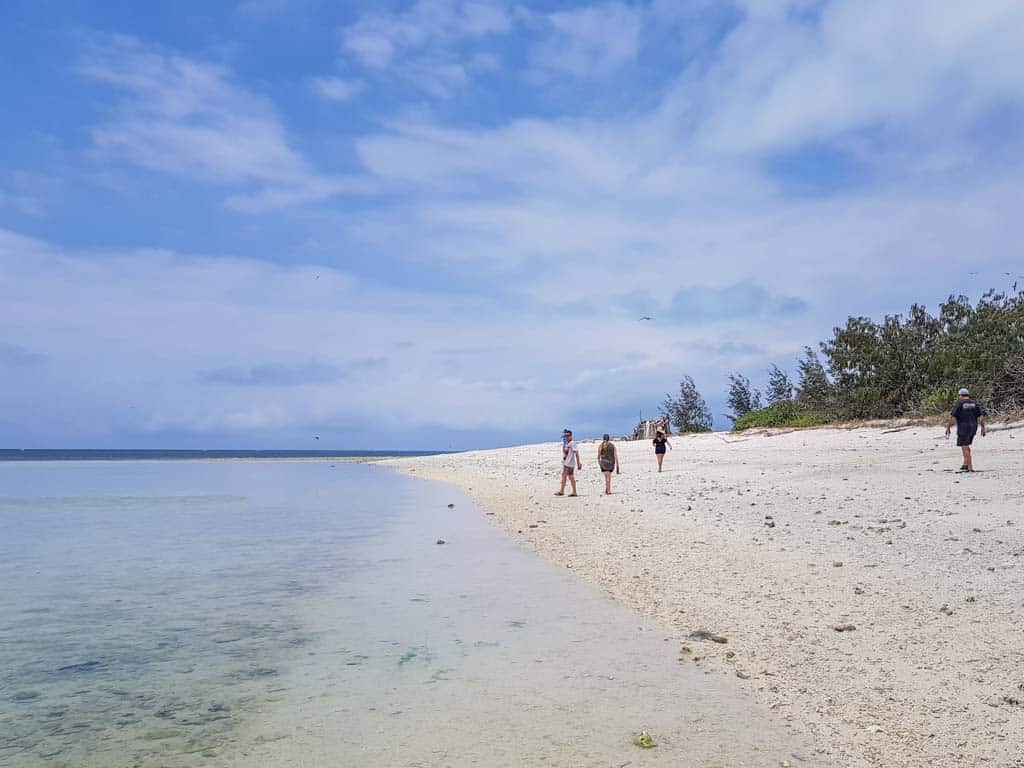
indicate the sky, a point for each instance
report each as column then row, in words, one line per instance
column 436, row 224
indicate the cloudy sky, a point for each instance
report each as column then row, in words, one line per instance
column 435, row 224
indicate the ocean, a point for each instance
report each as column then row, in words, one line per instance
column 302, row 613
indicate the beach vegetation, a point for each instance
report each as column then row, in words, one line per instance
column 814, row 390
column 743, row 398
column 939, row 400
column 780, row 386
column 902, row 365
column 1008, row 387
column 687, row 412
column 784, row 414
column 908, row 364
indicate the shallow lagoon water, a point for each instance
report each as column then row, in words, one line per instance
column 301, row 614
column 151, row 602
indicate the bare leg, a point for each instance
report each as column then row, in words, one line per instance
column 572, row 479
column 561, row 488
column 967, row 457
column 608, row 483
column 661, row 458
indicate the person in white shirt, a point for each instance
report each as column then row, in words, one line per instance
column 570, row 462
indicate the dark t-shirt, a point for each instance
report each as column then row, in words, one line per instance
column 967, row 412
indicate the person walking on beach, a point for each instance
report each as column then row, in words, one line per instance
column 608, row 460
column 967, row 414
column 570, row 462
column 660, row 441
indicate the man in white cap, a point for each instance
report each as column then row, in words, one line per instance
column 967, row 414
column 570, row 462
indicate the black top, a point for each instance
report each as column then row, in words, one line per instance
column 659, row 444
column 967, row 412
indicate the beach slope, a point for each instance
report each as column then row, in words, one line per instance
column 868, row 592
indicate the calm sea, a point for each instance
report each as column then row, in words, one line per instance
column 302, row 613
column 154, row 454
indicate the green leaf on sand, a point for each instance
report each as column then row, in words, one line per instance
column 643, row 740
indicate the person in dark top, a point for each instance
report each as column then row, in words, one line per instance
column 608, row 460
column 660, row 441
column 967, row 414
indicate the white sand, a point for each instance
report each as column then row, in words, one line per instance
column 871, row 528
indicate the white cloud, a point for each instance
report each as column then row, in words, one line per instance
column 29, row 193
column 433, row 46
column 335, row 88
column 777, row 82
column 581, row 210
column 25, row 204
column 590, row 41
column 191, row 119
column 562, row 225
column 375, row 38
column 227, row 346
column 371, row 48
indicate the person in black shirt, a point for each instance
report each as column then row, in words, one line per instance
column 967, row 414
column 660, row 441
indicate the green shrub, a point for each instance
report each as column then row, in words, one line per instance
column 940, row 400
column 784, row 414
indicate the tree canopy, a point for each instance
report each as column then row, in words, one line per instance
column 912, row 363
column 687, row 412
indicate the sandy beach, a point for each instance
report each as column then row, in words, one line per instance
column 870, row 596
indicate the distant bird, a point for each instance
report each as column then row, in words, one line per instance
column 646, row 317
column 316, row 437
column 972, row 274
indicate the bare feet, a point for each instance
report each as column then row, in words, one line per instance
column 559, row 493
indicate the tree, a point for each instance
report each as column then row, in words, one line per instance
column 742, row 397
column 780, row 388
column 813, row 387
column 1008, row 387
column 887, row 368
column 905, row 364
column 688, row 412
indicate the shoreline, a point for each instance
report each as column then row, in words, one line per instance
column 438, row 659
column 773, row 540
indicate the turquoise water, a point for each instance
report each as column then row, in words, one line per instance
column 145, row 601
column 300, row 613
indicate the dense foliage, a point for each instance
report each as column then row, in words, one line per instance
column 904, row 365
column 743, row 398
column 786, row 414
column 780, row 388
column 688, row 412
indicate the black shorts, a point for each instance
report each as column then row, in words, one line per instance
column 965, row 436
column 659, row 451
column 607, row 466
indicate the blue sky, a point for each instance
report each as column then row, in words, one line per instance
column 435, row 224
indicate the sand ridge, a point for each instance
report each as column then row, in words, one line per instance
column 776, row 541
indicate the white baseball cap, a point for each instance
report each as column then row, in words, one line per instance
column 963, row 391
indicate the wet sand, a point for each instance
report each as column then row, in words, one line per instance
column 871, row 596
column 476, row 652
